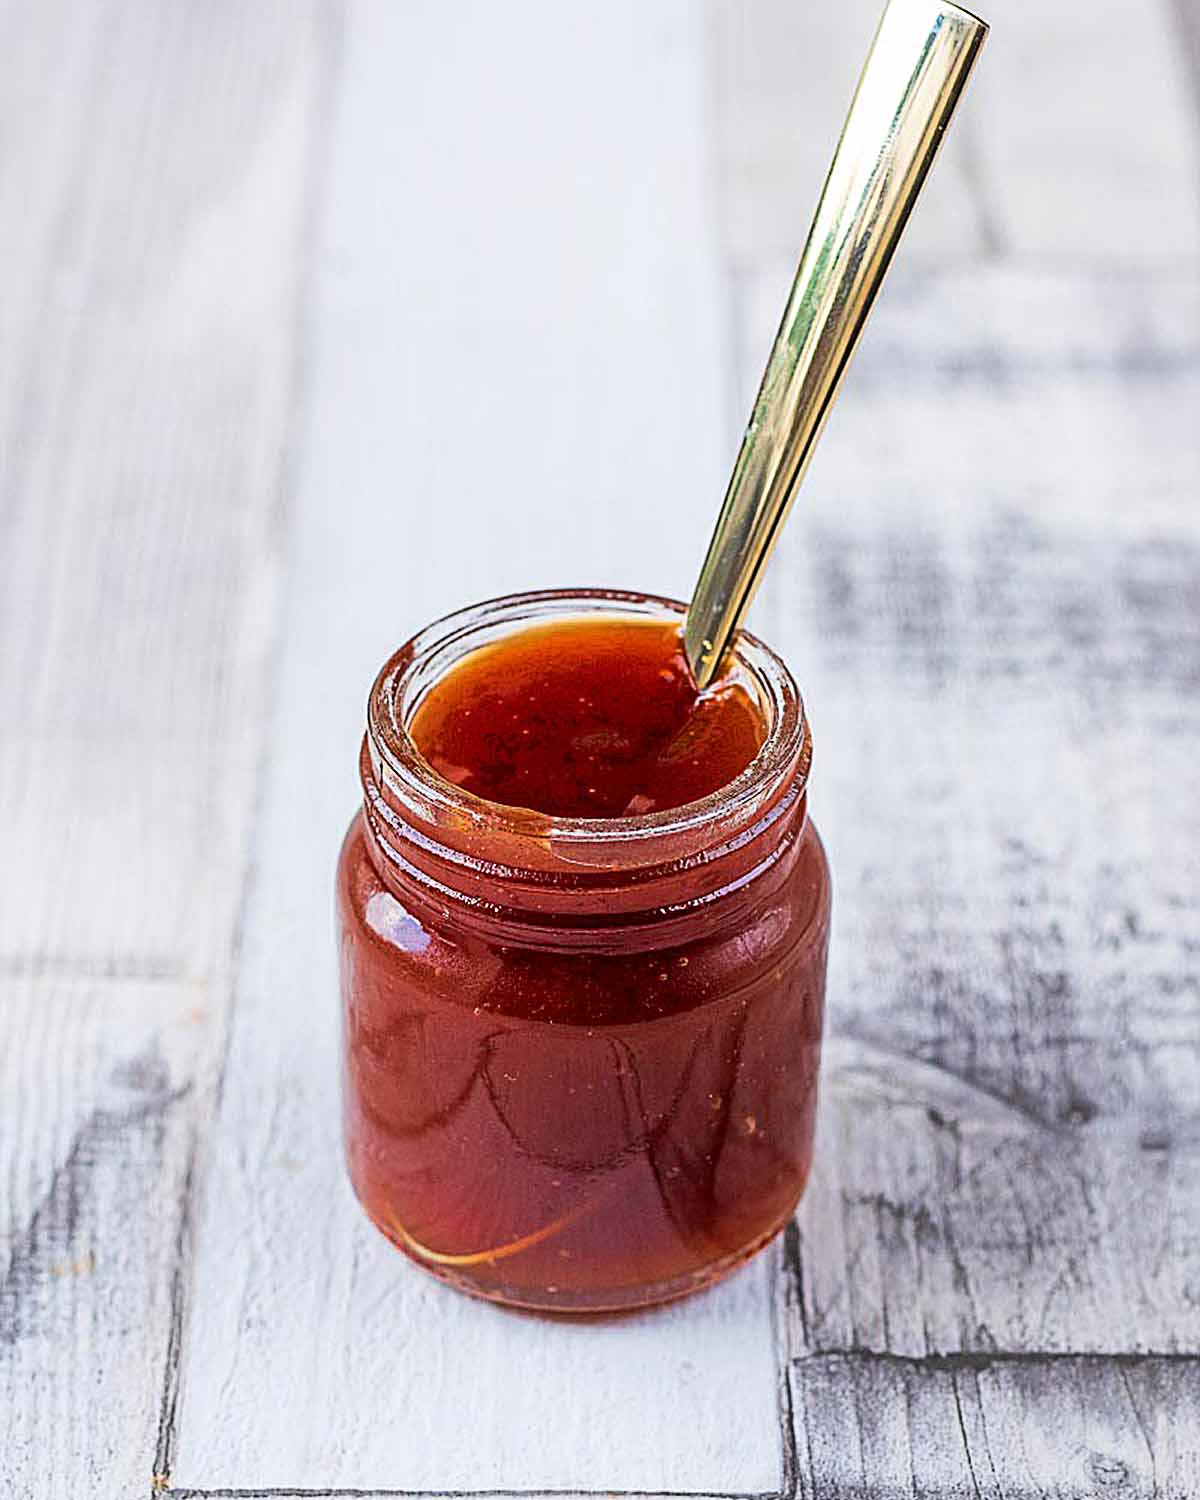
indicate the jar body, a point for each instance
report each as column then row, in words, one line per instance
column 630, row 1155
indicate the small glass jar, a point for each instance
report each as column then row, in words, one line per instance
column 580, row 1054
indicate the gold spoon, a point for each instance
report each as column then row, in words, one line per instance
column 911, row 82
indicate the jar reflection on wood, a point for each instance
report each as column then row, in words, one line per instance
column 580, row 1055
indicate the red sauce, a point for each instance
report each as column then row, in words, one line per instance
column 588, row 1080
column 586, row 718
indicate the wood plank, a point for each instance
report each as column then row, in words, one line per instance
column 516, row 381
column 150, row 218
column 152, row 197
column 992, row 608
column 992, row 1428
column 944, row 1218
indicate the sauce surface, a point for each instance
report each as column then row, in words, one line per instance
column 594, row 717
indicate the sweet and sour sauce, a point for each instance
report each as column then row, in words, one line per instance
column 584, row 919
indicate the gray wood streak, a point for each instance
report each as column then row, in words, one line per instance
column 984, row 1428
column 994, row 609
column 96, row 1082
column 1006, row 722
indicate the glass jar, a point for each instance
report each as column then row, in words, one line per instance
column 580, row 1056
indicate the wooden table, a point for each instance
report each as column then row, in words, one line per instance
column 320, row 319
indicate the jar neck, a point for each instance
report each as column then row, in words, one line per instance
column 526, row 877
column 553, row 901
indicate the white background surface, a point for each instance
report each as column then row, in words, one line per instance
column 321, row 319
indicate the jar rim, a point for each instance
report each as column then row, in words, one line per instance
column 421, row 660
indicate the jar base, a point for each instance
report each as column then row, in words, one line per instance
column 600, row 1302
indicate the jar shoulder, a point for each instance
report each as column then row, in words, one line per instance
column 392, row 947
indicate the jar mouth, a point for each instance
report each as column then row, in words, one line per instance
column 403, row 771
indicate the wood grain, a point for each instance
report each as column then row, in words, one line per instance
column 987, row 1428
column 97, row 1084
column 1000, row 641
column 515, row 382
column 151, row 204
column 550, row 255
column 151, row 231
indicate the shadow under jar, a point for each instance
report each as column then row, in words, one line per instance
column 580, row 1055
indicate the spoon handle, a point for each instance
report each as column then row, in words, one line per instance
column 914, row 74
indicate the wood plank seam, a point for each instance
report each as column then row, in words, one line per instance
column 978, row 1362
column 169, row 1406
column 785, row 1290
column 993, row 242
column 486, row 1494
column 1186, row 16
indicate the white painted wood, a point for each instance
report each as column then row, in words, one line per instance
column 995, row 1428
column 554, row 245
column 992, row 608
column 152, row 193
column 516, row 381
column 1057, row 393
column 1076, row 140
column 1086, row 142
column 96, row 1086
column 151, row 205
column 784, row 72
column 943, row 1218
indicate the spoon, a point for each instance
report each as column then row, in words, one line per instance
column 911, row 82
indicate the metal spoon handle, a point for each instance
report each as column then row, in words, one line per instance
column 914, row 74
